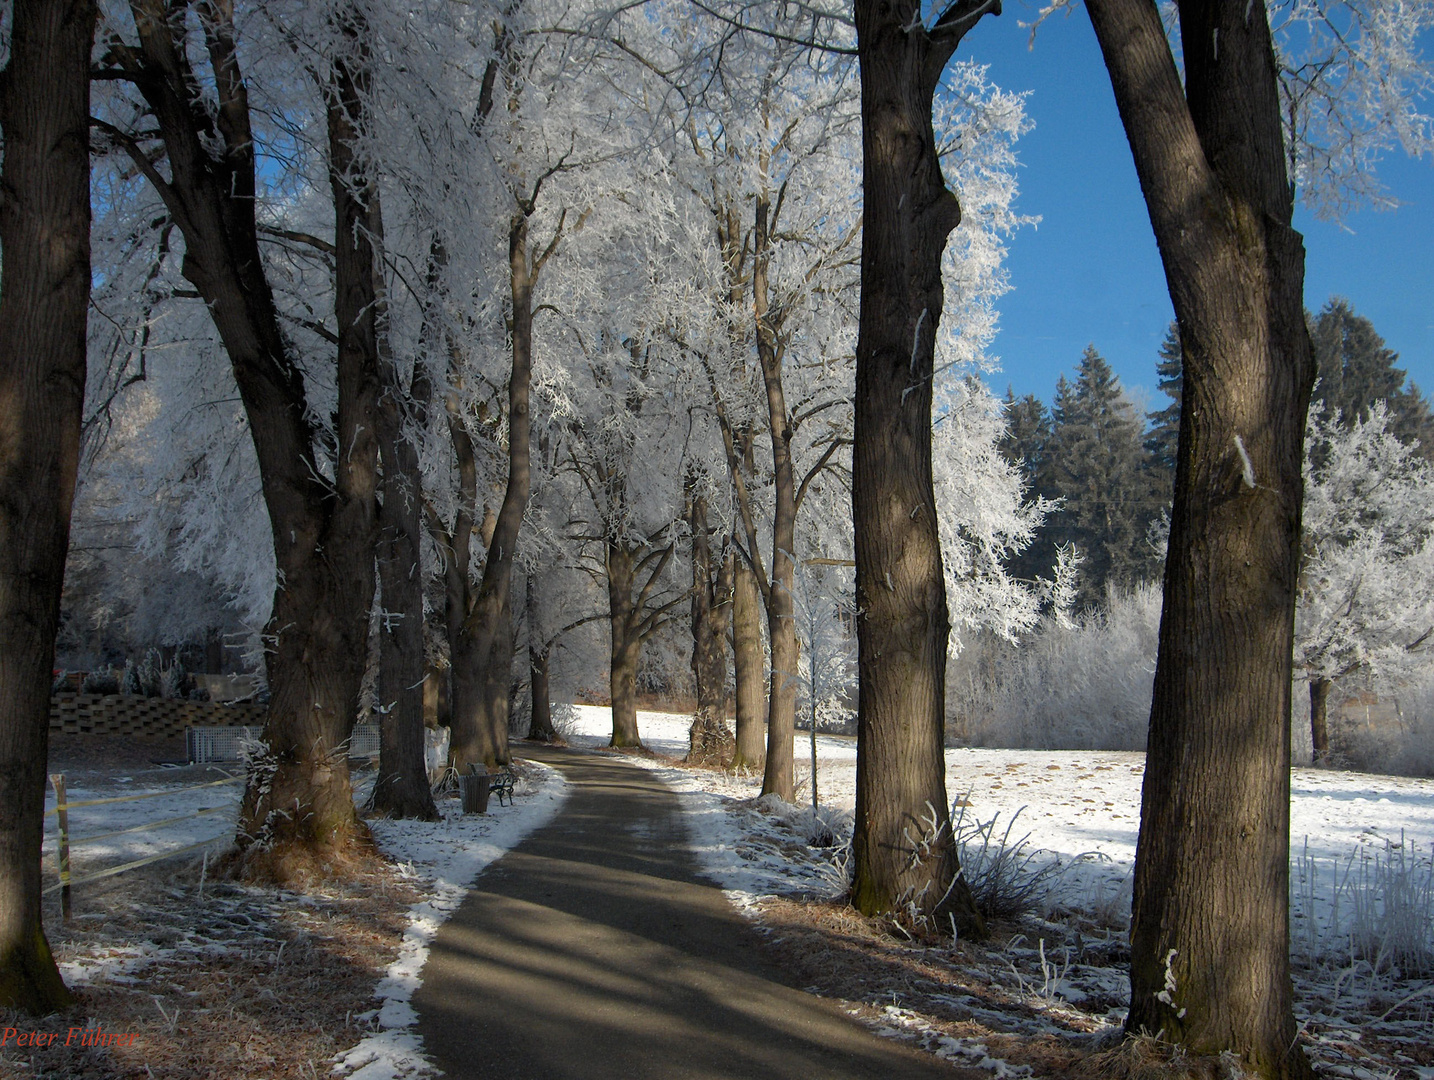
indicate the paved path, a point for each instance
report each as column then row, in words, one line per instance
column 592, row 951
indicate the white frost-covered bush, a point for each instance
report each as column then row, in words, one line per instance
column 1416, row 756
column 1074, row 684
column 1403, row 744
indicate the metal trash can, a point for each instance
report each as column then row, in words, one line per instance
column 474, row 789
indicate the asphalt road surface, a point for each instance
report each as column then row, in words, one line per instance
column 593, row 951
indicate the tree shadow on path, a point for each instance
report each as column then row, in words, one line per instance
column 594, row 951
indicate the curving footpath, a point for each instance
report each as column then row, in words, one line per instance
column 593, row 951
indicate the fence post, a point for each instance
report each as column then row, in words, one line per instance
column 63, row 816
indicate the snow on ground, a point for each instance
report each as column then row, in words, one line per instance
column 446, row 856
column 1079, row 811
column 1078, row 807
column 443, row 857
column 170, row 814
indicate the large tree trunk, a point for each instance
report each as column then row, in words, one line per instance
column 540, row 726
column 456, row 548
column 401, row 789
column 709, row 740
column 777, row 777
column 1319, row 719
column 1210, row 924
column 540, row 720
column 626, row 646
column 44, row 293
column 298, row 793
column 482, row 666
column 466, row 650
column 902, row 849
column 747, row 657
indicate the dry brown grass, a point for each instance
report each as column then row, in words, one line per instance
column 937, row 987
column 300, row 866
column 231, row 980
column 990, row 995
column 971, row 993
column 1143, row 1058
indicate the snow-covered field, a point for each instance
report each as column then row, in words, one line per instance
column 1079, row 808
column 1364, row 1011
column 1074, row 802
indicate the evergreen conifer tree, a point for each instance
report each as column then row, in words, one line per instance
column 1097, row 467
column 1163, row 435
column 1028, row 430
column 1026, row 443
column 1356, row 369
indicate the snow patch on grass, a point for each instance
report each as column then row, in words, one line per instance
column 902, row 1023
column 116, row 965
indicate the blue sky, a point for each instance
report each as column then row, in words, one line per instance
column 1089, row 272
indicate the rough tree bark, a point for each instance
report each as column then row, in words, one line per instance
column 1210, row 925
column 540, row 722
column 775, row 586
column 540, row 725
column 44, row 294
column 483, row 662
column 902, row 849
column 626, row 644
column 1319, row 719
column 633, row 575
column 457, row 546
column 479, row 621
column 709, row 740
column 401, row 789
column 298, row 795
column 750, row 749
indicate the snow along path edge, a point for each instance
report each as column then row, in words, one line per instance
column 446, row 857
column 736, row 839
column 726, row 834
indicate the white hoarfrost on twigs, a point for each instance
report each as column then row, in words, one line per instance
column 446, row 856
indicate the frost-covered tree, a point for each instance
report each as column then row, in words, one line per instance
column 986, row 519
column 822, row 612
column 192, row 122
column 1025, row 442
column 769, row 159
column 625, row 451
column 713, row 566
column 1366, row 599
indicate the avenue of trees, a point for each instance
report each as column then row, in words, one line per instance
column 493, row 326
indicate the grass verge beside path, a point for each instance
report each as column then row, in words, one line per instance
column 216, row 979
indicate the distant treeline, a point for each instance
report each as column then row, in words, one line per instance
column 1113, row 471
